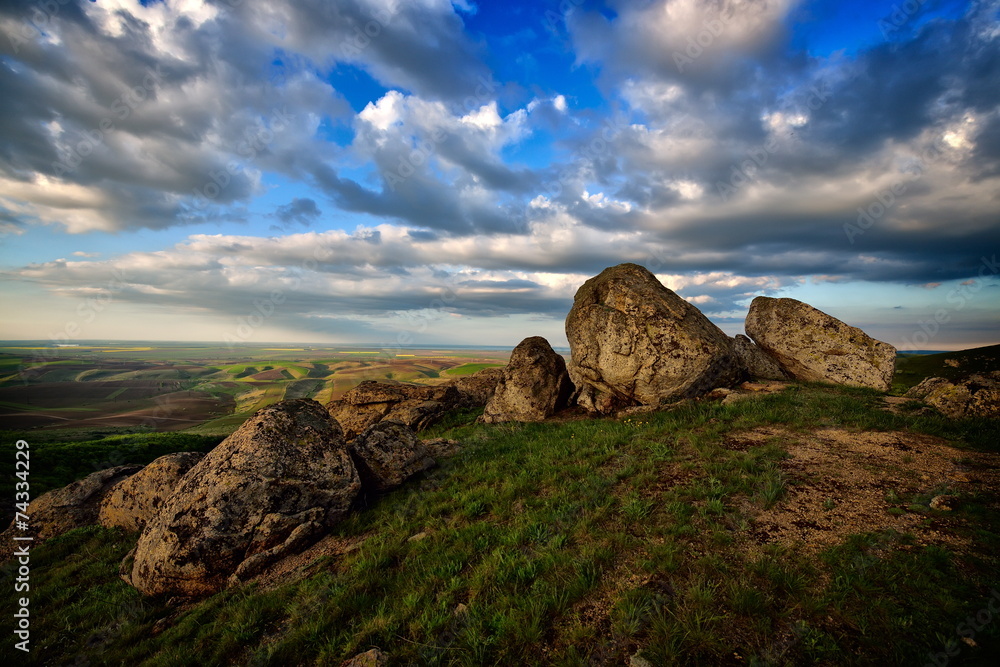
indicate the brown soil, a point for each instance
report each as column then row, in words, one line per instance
column 842, row 483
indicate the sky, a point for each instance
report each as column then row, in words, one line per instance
column 391, row 173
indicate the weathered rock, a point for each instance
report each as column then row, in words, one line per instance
column 477, row 389
column 387, row 454
column 755, row 361
column 132, row 503
column 277, row 482
column 442, row 447
column 72, row 506
column 977, row 395
column 812, row 346
column 534, row 384
column 372, row 658
column 414, row 405
column 635, row 342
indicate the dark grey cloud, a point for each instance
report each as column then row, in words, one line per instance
column 420, row 47
column 154, row 124
column 302, row 211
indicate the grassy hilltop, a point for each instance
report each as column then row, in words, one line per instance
column 792, row 528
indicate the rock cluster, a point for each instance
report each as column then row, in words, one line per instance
column 533, row 386
column 636, row 343
column 277, row 482
column 294, row 469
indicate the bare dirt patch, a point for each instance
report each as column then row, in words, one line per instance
column 842, row 483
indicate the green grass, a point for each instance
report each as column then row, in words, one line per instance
column 56, row 464
column 912, row 368
column 469, row 369
column 569, row 544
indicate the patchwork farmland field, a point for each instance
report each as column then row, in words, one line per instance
column 197, row 388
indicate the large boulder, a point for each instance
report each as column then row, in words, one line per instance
column 477, row 389
column 387, row 454
column 373, row 401
column 534, row 384
column 755, row 361
column 636, row 343
column 977, row 395
column 61, row 510
column 132, row 503
column 812, row 346
column 268, row 489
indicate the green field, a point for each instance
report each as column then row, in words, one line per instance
column 469, row 369
column 200, row 389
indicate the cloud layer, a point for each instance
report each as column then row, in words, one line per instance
column 377, row 155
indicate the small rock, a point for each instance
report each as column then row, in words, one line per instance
column 755, row 361
column 372, row 658
column 442, row 447
column 477, row 389
column 718, row 393
column 943, row 503
column 638, row 661
column 974, row 396
column 417, row 406
column 387, row 454
column 641, row 410
column 737, row 397
column 418, row 537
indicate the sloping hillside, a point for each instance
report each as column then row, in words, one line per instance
column 791, row 528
